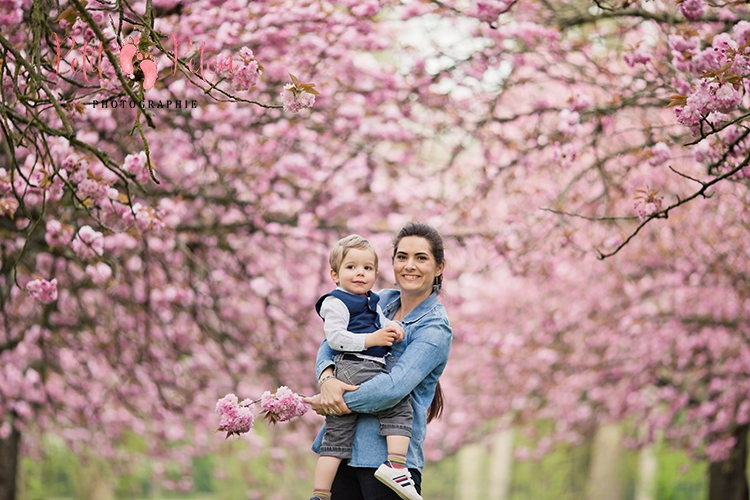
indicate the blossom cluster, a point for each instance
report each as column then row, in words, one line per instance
column 283, row 405
column 647, row 203
column 297, row 95
column 235, row 417
column 42, row 290
column 295, row 100
column 244, row 72
column 238, row 417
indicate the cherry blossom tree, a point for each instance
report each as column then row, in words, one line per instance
column 615, row 132
column 173, row 173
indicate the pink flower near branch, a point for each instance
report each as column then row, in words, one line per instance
column 136, row 164
column 660, row 154
column 244, row 72
column 99, row 273
column 647, row 203
column 295, row 101
column 489, row 10
column 692, row 9
column 42, row 290
column 282, row 406
column 88, row 243
column 58, row 234
column 638, row 56
column 297, row 96
column 234, row 417
column 237, row 417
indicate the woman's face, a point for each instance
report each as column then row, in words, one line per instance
column 415, row 266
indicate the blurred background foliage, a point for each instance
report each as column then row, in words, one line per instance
column 57, row 474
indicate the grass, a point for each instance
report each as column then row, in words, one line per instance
column 240, row 474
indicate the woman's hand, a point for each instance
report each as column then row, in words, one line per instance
column 330, row 401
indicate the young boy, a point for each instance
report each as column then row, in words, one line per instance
column 356, row 327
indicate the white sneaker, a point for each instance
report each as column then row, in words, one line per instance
column 399, row 480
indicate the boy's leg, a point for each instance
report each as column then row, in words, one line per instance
column 395, row 425
column 398, row 447
column 325, row 471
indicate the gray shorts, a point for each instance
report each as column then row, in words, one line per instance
column 339, row 434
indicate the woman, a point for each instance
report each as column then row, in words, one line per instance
column 416, row 365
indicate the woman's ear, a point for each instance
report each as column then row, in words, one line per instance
column 440, row 269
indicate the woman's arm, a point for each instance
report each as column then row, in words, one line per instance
column 330, row 399
column 428, row 349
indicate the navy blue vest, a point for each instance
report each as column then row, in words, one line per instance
column 363, row 316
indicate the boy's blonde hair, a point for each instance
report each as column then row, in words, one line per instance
column 342, row 247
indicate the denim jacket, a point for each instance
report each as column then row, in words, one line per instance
column 415, row 365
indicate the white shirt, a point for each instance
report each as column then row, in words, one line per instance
column 335, row 316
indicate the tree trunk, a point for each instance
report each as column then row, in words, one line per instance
column 605, row 473
column 501, row 466
column 648, row 466
column 727, row 479
column 9, row 465
column 470, row 460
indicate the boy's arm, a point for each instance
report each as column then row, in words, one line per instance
column 335, row 316
column 392, row 323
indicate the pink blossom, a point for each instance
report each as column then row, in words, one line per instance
column 726, row 98
column 91, row 190
column 489, row 10
column 42, row 290
column 88, row 243
column 692, row 9
column 720, row 449
column 637, row 57
column 244, row 72
column 99, row 273
column 569, row 121
column 366, row 8
column 57, row 234
column 647, row 203
column 660, row 154
column 742, row 31
column 136, row 164
column 282, row 406
column 11, row 13
column 295, row 100
column 234, row 417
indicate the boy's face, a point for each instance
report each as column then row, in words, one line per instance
column 357, row 273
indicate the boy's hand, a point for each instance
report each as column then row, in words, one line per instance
column 384, row 336
column 396, row 326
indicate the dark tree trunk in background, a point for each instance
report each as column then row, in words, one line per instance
column 727, row 479
column 9, row 465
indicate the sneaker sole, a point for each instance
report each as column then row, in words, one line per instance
column 397, row 488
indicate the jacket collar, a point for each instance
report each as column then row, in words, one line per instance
column 392, row 300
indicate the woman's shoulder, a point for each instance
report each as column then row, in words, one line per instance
column 388, row 295
column 431, row 309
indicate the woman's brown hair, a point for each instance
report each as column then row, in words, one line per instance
column 437, row 248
